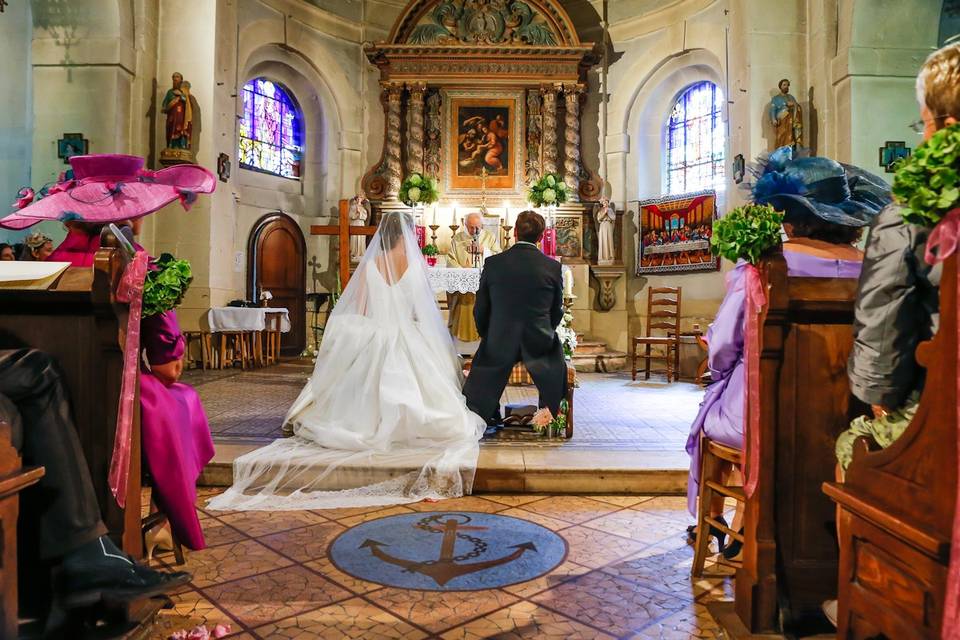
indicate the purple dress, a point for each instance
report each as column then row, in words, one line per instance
column 721, row 415
column 176, row 436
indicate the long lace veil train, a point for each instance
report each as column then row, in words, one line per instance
column 382, row 419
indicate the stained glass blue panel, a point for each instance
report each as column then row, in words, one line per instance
column 270, row 130
column 695, row 140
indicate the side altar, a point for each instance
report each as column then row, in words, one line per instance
column 486, row 98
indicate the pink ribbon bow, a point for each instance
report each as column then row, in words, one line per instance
column 24, row 197
column 942, row 244
column 131, row 292
column 756, row 299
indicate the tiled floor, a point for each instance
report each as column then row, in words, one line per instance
column 626, row 576
column 610, row 411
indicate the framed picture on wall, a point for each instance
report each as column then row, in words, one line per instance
column 674, row 233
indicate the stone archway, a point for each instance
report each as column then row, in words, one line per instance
column 277, row 263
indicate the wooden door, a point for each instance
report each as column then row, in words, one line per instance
column 277, row 263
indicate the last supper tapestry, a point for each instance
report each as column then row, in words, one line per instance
column 675, row 233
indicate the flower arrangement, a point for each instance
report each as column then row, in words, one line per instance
column 568, row 337
column 746, row 232
column 165, row 284
column 265, row 298
column 419, row 190
column 545, row 423
column 548, row 190
column 431, row 250
column 927, row 183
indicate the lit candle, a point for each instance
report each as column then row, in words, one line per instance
column 567, row 283
column 506, row 213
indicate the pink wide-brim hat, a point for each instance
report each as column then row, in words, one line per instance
column 111, row 188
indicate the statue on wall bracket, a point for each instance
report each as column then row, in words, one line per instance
column 786, row 116
column 180, row 110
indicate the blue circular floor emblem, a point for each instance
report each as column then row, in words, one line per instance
column 448, row 551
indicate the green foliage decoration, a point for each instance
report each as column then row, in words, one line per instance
column 746, row 232
column 419, row 190
column 927, row 184
column 165, row 284
column 548, row 190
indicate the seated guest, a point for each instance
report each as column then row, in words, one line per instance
column 36, row 246
column 821, row 227
column 175, row 434
column 6, row 252
column 34, row 401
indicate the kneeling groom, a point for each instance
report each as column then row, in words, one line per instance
column 519, row 306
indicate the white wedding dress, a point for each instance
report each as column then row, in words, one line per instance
column 382, row 418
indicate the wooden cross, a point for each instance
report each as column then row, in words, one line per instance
column 343, row 230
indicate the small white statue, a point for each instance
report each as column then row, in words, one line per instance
column 605, row 215
column 359, row 217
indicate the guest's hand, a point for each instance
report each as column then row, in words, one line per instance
column 879, row 411
column 169, row 372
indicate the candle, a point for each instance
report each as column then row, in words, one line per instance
column 567, row 283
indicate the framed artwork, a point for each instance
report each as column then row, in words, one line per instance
column 891, row 152
column 485, row 150
column 674, row 233
column 569, row 236
column 72, row 144
column 739, row 167
column 223, row 167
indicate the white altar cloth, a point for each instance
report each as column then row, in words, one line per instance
column 245, row 318
column 457, row 279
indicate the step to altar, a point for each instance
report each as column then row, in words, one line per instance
column 593, row 356
column 521, row 467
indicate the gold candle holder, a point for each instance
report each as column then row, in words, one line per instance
column 506, row 235
column 454, row 228
column 433, row 234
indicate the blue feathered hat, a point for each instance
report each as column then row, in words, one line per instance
column 838, row 193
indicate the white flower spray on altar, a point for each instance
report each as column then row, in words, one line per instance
column 568, row 337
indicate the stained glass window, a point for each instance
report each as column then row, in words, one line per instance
column 270, row 130
column 695, row 139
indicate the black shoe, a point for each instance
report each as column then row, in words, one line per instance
column 732, row 550
column 716, row 533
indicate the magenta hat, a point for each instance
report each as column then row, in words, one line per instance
column 109, row 188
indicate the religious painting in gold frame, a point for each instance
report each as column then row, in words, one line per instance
column 483, row 133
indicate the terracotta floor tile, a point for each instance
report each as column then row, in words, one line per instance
column 636, row 525
column 339, row 514
column 564, row 572
column 605, row 602
column 466, row 503
column 305, row 543
column 524, row 620
column 226, row 562
column 595, row 549
column 440, row 610
column 689, row 623
column 621, row 501
column 573, row 509
column 511, row 501
column 324, row 567
column 550, row 523
column 666, row 569
column 278, row 594
column 190, row 609
column 261, row 523
column 350, row 619
column 383, row 513
column 216, row 532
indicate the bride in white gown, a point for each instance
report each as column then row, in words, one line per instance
column 384, row 400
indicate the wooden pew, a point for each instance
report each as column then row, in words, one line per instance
column 13, row 480
column 80, row 323
column 897, row 505
column 790, row 554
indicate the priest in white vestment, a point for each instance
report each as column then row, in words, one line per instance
column 472, row 239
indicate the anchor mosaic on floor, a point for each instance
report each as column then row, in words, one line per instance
column 549, row 567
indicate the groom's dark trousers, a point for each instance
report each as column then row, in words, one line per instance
column 519, row 306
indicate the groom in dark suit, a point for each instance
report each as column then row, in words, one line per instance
column 519, row 306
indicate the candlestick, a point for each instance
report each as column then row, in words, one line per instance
column 433, row 233
column 453, row 229
column 506, row 236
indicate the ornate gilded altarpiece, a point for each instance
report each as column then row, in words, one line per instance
column 494, row 85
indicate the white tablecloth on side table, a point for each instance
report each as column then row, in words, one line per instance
column 244, row 318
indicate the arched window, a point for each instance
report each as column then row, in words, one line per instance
column 271, row 131
column 695, row 140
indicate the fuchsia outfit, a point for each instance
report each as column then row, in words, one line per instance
column 721, row 416
column 175, row 435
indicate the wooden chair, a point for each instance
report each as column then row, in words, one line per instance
column 204, row 350
column 235, row 348
column 663, row 316
column 790, row 553
column 713, row 458
column 897, row 505
column 13, row 480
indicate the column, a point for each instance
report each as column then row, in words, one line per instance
column 549, row 129
column 391, row 154
column 415, row 133
column 571, row 143
column 534, row 136
column 431, row 160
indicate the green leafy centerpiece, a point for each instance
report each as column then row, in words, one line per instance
column 746, row 232
column 165, row 285
column 547, row 191
column 418, row 190
column 927, row 184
